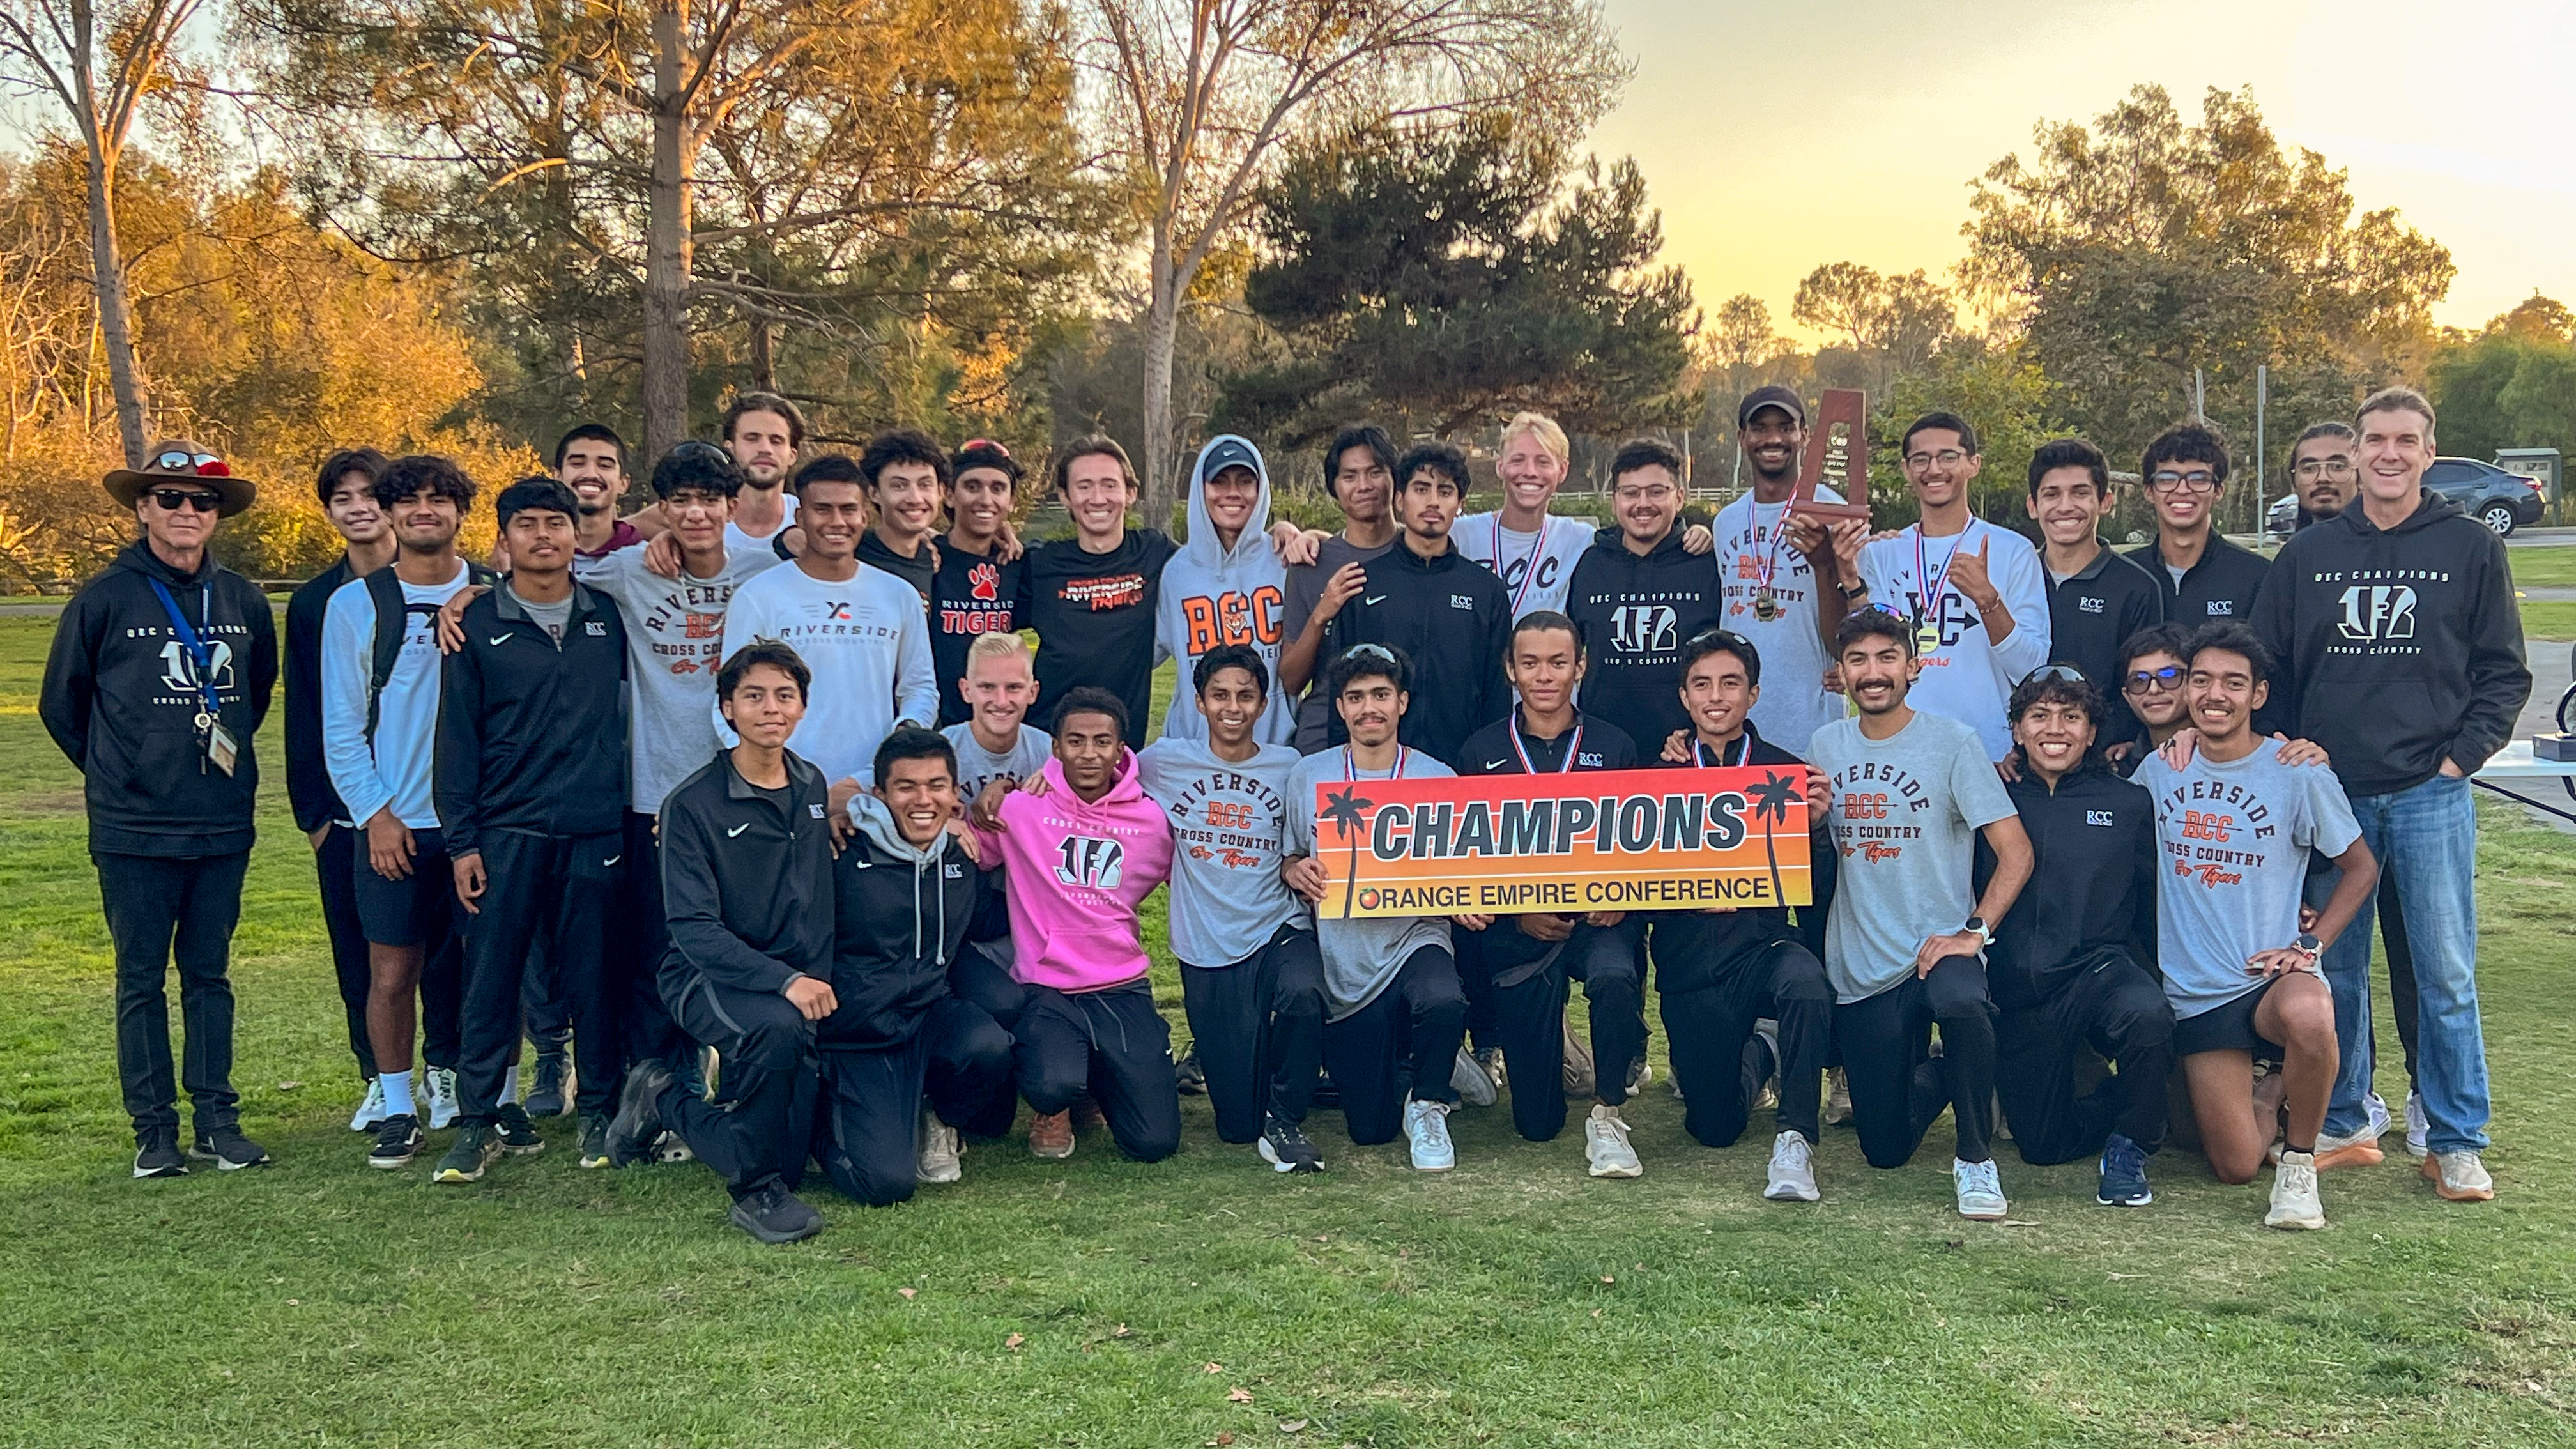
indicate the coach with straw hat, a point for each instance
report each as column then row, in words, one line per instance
column 161, row 671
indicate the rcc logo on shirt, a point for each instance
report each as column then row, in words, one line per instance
column 2097, row 817
column 1462, row 601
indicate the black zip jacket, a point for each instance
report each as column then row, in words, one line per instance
column 1453, row 620
column 532, row 734
column 1094, row 613
column 121, row 698
column 308, row 779
column 1635, row 612
column 2224, row 585
column 2091, row 615
column 2092, row 889
column 2396, row 648
column 897, row 922
column 1694, row 949
column 1489, row 752
column 746, row 885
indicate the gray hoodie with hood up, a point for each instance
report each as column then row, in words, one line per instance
column 1212, row 595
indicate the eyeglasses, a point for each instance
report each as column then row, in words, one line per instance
column 2066, row 672
column 1947, row 458
column 2149, row 681
column 2199, row 480
column 174, row 499
column 2329, row 467
column 176, row 461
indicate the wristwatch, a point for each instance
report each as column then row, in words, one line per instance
column 2308, row 946
column 1984, row 932
column 1855, row 591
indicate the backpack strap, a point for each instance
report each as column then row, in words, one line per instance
column 384, row 591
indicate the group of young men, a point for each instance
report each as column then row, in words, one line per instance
column 744, row 796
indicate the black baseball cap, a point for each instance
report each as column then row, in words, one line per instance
column 1772, row 396
column 1228, row 452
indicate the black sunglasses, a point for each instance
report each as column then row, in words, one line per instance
column 177, row 461
column 174, row 499
column 2066, row 672
column 2142, row 680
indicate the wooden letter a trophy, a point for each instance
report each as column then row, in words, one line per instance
column 1837, row 457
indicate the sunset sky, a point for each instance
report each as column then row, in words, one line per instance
column 1778, row 137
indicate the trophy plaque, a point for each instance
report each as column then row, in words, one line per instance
column 1837, row 457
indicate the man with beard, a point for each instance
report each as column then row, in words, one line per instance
column 1638, row 593
column 1767, row 567
column 2321, row 467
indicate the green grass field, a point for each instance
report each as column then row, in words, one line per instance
column 1205, row 1300
column 2553, row 568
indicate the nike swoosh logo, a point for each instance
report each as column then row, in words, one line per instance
column 1496, row 764
column 737, row 830
column 862, row 864
column 1374, row 599
column 612, row 860
column 500, row 640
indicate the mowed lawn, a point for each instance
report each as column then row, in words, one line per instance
column 1205, row 1300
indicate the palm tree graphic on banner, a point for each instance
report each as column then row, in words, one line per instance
column 1346, row 811
column 1771, row 806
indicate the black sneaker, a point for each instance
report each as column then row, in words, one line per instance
column 639, row 1114
column 156, row 1153
column 594, row 1139
column 229, row 1150
column 1190, row 1076
column 1284, row 1146
column 476, row 1145
column 397, row 1138
column 553, row 1094
column 774, row 1215
column 518, row 1134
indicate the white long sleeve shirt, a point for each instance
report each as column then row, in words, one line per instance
column 393, row 769
column 1966, row 675
column 868, row 643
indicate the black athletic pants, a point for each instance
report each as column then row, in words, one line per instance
column 1113, row 1043
column 158, row 908
column 1708, row 1029
column 1611, row 964
column 1258, row 1029
column 333, row 863
column 1896, row 1088
column 548, row 892
column 765, row 1131
column 638, row 938
column 2114, row 1008
column 867, row 1129
column 1405, row 1040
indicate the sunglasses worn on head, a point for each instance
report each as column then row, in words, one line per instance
column 176, row 460
column 2067, row 672
column 2144, row 681
column 174, row 499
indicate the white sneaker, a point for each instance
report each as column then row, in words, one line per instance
column 2357, row 1148
column 1769, row 1096
column 1981, row 1191
column 939, row 1150
column 371, row 1109
column 2295, row 1203
column 2376, row 1107
column 1469, row 1081
column 442, row 1096
column 2459, row 1176
column 1426, row 1135
column 1793, row 1169
column 2417, row 1125
column 1837, row 1098
column 1606, row 1146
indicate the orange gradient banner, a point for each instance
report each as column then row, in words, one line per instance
column 1631, row 840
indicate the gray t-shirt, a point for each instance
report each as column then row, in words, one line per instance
column 1229, row 824
column 554, row 618
column 1905, row 812
column 1305, row 591
column 674, row 646
column 1360, row 957
column 978, row 766
column 2235, row 838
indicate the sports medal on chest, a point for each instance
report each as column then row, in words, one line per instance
column 1766, row 604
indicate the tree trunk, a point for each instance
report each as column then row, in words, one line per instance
column 764, row 356
column 1162, row 335
column 667, row 252
column 115, row 317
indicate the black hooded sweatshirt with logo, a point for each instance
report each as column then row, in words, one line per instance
column 2396, row 648
column 1453, row 620
column 900, row 913
column 1635, row 612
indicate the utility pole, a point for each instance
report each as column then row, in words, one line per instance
column 2262, row 399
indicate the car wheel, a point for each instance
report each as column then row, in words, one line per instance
column 2499, row 519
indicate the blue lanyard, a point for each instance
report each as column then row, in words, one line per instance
column 196, row 647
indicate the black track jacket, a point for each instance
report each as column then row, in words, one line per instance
column 1453, row 620
column 532, row 735
column 746, row 885
column 2092, row 886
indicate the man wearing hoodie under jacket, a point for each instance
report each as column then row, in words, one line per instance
column 2400, row 652
column 1448, row 615
column 1083, row 846
column 905, row 1064
column 1638, row 596
column 160, row 672
column 1226, row 587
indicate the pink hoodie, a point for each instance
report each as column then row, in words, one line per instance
column 1076, row 874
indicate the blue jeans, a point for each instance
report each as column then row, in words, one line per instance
column 2427, row 835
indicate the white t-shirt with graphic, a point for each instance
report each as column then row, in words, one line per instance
column 1965, row 675
column 867, row 642
column 1513, row 556
column 1751, row 551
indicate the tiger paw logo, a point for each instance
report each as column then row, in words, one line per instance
column 984, row 581
column 1091, row 860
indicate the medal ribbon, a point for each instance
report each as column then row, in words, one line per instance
column 1529, row 574
column 1770, row 563
column 1929, row 585
column 1572, row 748
column 1743, row 752
column 1350, row 765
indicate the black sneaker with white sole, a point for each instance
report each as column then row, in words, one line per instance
column 156, row 1153
column 1189, row 1076
column 229, row 1150
column 638, row 1123
column 398, row 1138
column 774, row 1215
column 1284, row 1146
column 518, row 1134
column 552, row 1095
column 594, row 1139
column 477, row 1144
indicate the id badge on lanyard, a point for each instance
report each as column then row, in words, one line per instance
column 222, row 750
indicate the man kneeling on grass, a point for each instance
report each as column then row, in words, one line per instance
column 2235, row 826
column 747, row 892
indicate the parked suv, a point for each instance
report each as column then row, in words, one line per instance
column 2502, row 501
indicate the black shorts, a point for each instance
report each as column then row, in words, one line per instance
column 414, row 911
column 2228, row 1028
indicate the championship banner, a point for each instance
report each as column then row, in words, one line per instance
column 1630, row 840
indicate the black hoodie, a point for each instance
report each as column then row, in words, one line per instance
column 121, row 698
column 1635, row 612
column 2398, row 648
column 1453, row 620
column 899, row 914
column 2092, row 890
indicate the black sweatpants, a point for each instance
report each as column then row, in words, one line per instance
column 764, row 1132
column 547, row 1009
column 1405, row 1041
column 1896, row 1088
column 1611, row 964
column 1113, row 1043
column 867, row 1125
column 333, row 862
column 1258, row 1029
column 1708, row 1029
column 2114, row 1008
column 159, row 908
column 540, row 891
column 638, row 937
